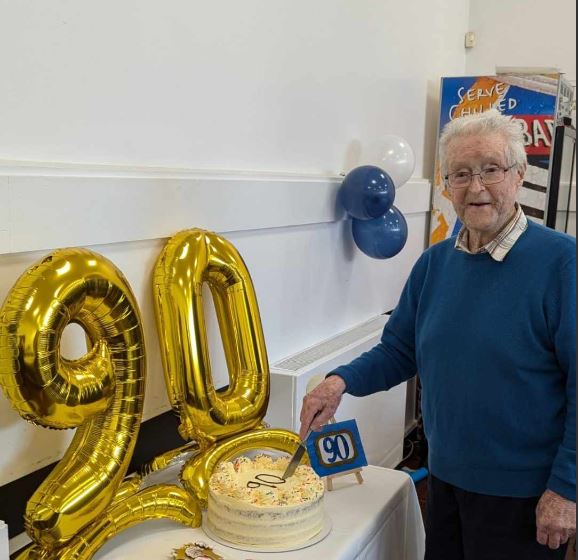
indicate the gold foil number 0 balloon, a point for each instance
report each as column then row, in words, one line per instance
column 190, row 259
column 223, row 423
column 101, row 394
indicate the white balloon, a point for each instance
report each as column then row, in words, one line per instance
column 395, row 156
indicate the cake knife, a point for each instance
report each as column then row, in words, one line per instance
column 296, row 459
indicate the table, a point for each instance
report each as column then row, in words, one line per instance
column 379, row 520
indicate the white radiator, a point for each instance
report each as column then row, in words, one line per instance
column 381, row 417
column 4, row 541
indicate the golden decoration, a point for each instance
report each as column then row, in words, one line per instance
column 224, row 423
column 101, row 394
column 164, row 460
column 157, row 502
column 197, row 472
column 190, row 259
column 85, row 500
column 197, row 550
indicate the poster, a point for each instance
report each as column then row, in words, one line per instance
column 532, row 100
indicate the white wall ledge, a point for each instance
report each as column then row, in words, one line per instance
column 45, row 206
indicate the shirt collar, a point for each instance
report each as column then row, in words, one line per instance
column 502, row 244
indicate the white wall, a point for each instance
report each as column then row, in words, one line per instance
column 280, row 86
column 523, row 33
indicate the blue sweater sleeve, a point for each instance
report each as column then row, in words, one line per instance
column 562, row 311
column 393, row 360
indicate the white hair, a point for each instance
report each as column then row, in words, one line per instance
column 490, row 122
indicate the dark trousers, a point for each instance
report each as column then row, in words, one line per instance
column 462, row 525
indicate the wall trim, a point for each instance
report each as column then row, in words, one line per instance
column 44, row 207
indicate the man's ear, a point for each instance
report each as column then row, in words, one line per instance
column 521, row 171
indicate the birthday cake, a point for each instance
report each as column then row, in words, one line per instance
column 251, row 504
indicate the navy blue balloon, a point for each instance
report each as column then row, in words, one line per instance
column 367, row 192
column 383, row 237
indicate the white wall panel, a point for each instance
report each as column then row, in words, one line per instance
column 523, row 33
column 4, row 215
column 58, row 211
column 279, row 85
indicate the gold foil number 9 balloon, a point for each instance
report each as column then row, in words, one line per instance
column 101, row 394
column 223, row 423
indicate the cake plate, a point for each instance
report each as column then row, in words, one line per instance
column 327, row 526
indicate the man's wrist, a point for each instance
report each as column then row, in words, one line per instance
column 562, row 488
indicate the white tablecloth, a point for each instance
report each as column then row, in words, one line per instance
column 379, row 520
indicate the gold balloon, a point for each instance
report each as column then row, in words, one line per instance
column 101, row 393
column 85, row 501
column 164, row 460
column 197, row 472
column 190, row 259
column 35, row 552
column 156, row 502
column 229, row 423
column 129, row 487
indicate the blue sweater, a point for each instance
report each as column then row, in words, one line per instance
column 494, row 344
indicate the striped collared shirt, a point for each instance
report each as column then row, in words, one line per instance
column 503, row 243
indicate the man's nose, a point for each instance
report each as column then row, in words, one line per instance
column 476, row 184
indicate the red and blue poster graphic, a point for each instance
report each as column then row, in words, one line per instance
column 532, row 100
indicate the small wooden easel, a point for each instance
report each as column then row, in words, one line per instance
column 357, row 472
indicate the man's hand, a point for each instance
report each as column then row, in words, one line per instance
column 555, row 519
column 320, row 405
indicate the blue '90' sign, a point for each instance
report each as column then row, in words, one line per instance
column 336, row 448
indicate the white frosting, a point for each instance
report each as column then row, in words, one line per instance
column 250, row 503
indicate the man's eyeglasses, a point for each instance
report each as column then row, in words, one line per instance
column 489, row 176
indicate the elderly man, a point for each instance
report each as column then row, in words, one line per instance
column 488, row 321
